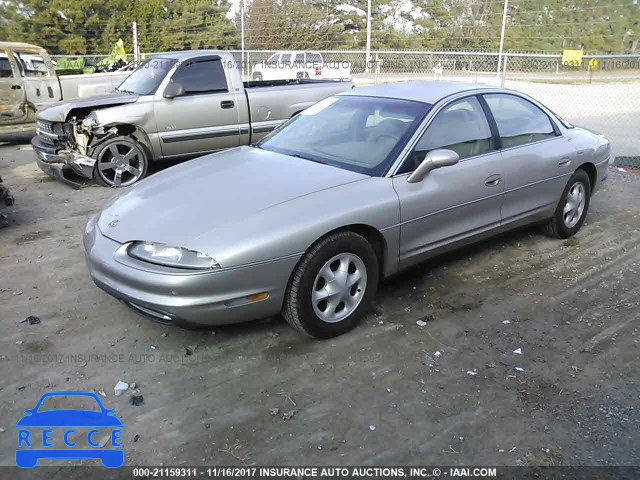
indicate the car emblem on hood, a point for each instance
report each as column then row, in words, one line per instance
column 113, row 223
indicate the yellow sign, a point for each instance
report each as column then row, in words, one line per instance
column 572, row 57
column 593, row 63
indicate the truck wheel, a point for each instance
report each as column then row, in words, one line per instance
column 257, row 77
column 120, row 162
column 332, row 286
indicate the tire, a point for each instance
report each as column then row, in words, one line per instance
column 308, row 305
column 576, row 194
column 130, row 165
column 257, row 77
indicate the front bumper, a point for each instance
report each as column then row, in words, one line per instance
column 191, row 298
column 57, row 162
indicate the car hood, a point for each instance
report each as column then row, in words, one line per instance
column 184, row 205
column 69, row 418
column 58, row 112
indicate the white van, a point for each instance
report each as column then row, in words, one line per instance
column 291, row 65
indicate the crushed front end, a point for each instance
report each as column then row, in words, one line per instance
column 63, row 147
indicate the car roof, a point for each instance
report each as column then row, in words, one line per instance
column 426, row 92
column 23, row 46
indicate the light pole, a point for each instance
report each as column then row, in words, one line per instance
column 368, row 53
column 242, row 35
column 504, row 24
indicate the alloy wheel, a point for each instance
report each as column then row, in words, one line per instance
column 121, row 164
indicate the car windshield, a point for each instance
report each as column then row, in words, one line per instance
column 63, row 402
column 361, row 134
column 147, row 77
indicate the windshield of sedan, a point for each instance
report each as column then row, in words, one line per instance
column 147, row 77
column 361, row 134
column 61, row 402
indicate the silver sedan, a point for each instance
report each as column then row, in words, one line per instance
column 354, row 189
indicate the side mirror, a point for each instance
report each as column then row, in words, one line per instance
column 174, row 89
column 434, row 159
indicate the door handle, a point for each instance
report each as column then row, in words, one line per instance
column 227, row 104
column 493, row 181
column 565, row 162
column 15, row 87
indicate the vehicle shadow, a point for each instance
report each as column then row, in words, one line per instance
column 21, row 138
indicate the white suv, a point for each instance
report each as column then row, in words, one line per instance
column 293, row 65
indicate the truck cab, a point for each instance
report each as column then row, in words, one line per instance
column 28, row 83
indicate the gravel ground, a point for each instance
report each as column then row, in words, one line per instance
column 451, row 392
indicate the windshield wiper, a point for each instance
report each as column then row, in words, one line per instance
column 128, row 92
column 297, row 155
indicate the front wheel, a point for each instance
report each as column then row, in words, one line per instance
column 332, row 286
column 120, row 162
column 572, row 208
column 257, row 77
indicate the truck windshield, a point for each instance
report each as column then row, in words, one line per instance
column 147, row 77
column 361, row 134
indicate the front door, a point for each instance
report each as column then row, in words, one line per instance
column 202, row 120
column 456, row 202
column 13, row 97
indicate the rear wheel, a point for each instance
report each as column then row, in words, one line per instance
column 120, row 162
column 332, row 286
column 257, row 77
column 572, row 208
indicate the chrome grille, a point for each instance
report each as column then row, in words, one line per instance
column 45, row 126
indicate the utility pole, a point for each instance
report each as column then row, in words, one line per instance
column 368, row 53
column 504, row 24
column 136, row 55
column 242, row 62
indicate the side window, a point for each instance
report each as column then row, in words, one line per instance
column 273, row 59
column 204, row 76
column 299, row 58
column 5, row 66
column 461, row 127
column 314, row 59
column 519, row 121
column 286, row 58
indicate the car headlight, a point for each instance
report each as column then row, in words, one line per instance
column 169, row 256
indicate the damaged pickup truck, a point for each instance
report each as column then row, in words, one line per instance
column 175, row 106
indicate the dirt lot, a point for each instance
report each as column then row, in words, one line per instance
column 379, row 395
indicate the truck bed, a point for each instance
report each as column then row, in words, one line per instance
column 278, row 83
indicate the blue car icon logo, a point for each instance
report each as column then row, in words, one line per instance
column 79, row 430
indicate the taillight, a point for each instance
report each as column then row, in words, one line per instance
column 318, row 71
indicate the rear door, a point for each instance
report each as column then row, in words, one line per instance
column 537, row 158
column 456, row 202
column 38, row 77
column 12, row 92
column 203, row 120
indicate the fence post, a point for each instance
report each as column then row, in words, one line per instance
column 135, row 43
column 504, row 70
column 377, row 69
